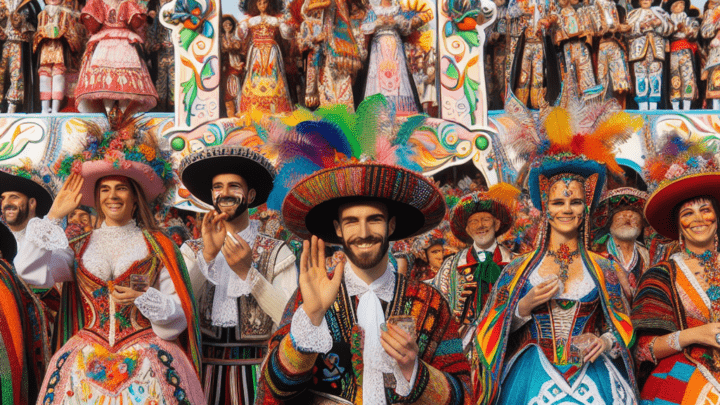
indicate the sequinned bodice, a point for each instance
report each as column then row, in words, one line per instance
column 109, row 320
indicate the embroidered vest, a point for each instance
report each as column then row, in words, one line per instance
column 254, row 323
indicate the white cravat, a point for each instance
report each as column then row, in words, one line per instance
column 370, row 316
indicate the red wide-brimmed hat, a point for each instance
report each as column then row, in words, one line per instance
column 680, row 171
column 312, row 204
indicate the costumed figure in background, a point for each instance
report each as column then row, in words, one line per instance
column 19, row 20
column 571, row 35
column 527, row 19
column 246, row 278
column 429, row 253
column 683, row 81
column 330, row 34
column 388, row 71
column 56, row 37
column 649, row 27
column 113, row 78
column 558, row 313
column 496, row 53
column 25, row 194
column 133, row 292
column 710, row 28
column 613, row 72
column 159, row 41
column 620, row 223
column 232, row 64
column 466, row 278
column 676, row 312
column 367, row 335
column 265, row 88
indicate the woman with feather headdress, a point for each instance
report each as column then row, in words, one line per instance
column 676, row 311
column 558, row 313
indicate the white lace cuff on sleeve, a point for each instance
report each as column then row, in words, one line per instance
column 403, row 386
column 307, row 337
column 238, row 287
column 46, row 234
column 156, row 306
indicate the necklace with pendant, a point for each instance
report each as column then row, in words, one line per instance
column 563, row 257
column 708, row 260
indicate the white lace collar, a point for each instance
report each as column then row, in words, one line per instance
column 384, row 286
column 19, row 235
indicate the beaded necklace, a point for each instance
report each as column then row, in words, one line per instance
column 708, row 260
column 563, row 257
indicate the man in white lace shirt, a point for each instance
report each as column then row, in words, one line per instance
column 24, row 196
column 365, row 334
column 245, row 278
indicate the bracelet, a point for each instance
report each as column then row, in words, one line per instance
column 673, row 340
column 651, row 349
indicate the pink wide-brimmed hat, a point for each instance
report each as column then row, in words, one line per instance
column 126, row 153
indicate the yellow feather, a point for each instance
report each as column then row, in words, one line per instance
column 617, row 128
column 298, row 116
column 504, row 193
column 558, row 127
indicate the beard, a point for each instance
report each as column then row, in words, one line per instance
column 20, row 212
column 366, row 260
column 625, row 232
column 238, row 207
column 485, row 239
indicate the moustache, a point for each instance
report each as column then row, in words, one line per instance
column 229, row 199
column 362, row 241
column 9, row 207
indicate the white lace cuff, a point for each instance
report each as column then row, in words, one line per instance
column 208, row 269
column 155, row 306
column 307, row 337
column 403, row 386
column 238, row 287
column 46, row 234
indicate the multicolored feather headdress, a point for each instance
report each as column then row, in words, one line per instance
column 333, row 156
column 681, row 170
column 574, row 138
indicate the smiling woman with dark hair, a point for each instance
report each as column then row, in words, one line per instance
column 676, row 311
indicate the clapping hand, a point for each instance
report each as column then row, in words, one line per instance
column 213, row 234
column 238, row 255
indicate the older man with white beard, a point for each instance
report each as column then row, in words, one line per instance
column 466, row 278
column 620, row 222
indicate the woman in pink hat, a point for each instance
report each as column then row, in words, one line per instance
column 131, row 284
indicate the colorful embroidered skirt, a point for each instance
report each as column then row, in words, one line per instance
column 676, row 380
column 532, row 379
column 143, row 369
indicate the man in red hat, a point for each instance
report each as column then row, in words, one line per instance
column 363, row 333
